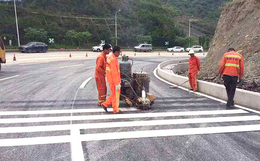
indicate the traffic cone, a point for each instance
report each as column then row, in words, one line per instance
column 70, row 55
column 86, row 54
column 14, row 59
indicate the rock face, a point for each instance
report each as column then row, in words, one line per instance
column 238, row 27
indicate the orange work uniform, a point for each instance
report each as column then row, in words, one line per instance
column 113, row 78
column 232, row 68
column 232, row 64
column 100, row 73
column 194, row 67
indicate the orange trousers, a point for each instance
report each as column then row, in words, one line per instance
column 102, row 89
column 193, row 80
column 113, row 99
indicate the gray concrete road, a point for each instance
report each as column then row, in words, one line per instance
column 48, row 113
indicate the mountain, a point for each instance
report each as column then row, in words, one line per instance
column 163, row 20
column 238, row 29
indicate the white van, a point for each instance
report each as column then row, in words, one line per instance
column 143, row 47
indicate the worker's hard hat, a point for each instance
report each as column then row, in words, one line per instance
column 191, row 52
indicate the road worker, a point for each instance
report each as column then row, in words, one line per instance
column 114, row 80
column 100, row 74
column 194, row 68
column 232, row 69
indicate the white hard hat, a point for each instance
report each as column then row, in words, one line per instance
column 191, row 52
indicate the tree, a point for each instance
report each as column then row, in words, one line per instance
column 32, row 34
column 144, row 39
column 78, row 37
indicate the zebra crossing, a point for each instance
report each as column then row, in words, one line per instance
column 132, row 118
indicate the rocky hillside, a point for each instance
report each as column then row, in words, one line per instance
column 238, row 27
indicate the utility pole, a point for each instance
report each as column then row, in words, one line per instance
column 189, row 32
column 191, row 20
column 116, row 25
column 16, row 21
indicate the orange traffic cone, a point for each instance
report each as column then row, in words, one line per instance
column 86, row 54
column 14, row 59
column 70, row 55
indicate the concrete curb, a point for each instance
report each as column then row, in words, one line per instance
column 243, row 97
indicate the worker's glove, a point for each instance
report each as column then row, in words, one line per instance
column 240, row 81
column 118, row 87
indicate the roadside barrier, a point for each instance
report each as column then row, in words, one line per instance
column 243, row 97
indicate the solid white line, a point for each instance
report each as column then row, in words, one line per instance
column 77, row 153
column 85, row 83
column 126, row 124
column 130, row 135
column 71, row 66
column 164, row 133
column 123, row 116
column 9, row 77
column 201, row 94
column 35, row 141
column 11, row 113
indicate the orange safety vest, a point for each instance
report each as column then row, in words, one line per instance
column 100, row 65
column 232, row 64
column 194, row 64
column 112, row 70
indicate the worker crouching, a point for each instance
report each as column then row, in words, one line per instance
column 114, row 81
column 194, row 68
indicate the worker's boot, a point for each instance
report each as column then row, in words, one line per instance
column 104, row 107
column 119, row 112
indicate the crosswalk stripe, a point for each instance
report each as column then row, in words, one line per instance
column 127, row 124
column 11, row 113
column 129, row 135
column 118, row 116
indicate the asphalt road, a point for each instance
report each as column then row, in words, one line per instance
column 47, row 113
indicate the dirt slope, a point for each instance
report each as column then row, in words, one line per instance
column 238, row 27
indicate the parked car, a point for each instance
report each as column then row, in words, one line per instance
column 34, row 47
column 196, row 48
column 143, row 47
column 175, row 49
column 100, row 47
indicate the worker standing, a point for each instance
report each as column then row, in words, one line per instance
column 194, row 68
column 114, row 80
column 232, row 68
column 100, row 74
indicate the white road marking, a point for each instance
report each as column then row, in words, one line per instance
column 71, row 66
column 201, row 94
column 165, row 133
column 11, row 113
column 77, row 153
column 123, row 116
column 130, row 135
column 126, row 124
column 9, row 77
column 85, row 83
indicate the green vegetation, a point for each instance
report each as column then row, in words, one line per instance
column 85, row 23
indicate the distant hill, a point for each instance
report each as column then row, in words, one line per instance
column 156, row 18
